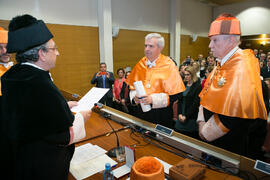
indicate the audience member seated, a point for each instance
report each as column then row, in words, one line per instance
column 203, row 67
column 196, row 68
column 200, row 58
column 211, row 61
column 263, row 58
column 265, row 71
column 261, row 63
column 256, row 53
column 188, row 105
column 182, row 71
column 188, row 61
column 207, row 72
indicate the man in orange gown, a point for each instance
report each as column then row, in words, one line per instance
column 232, row 108
column 161, row 81
column 5, row 63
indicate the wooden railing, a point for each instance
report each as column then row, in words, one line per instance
column 70, row 96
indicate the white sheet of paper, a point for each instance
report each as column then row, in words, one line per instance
column 125, row 169
column 89, row 99
column 121, row 171
column 86, row 152
column 90, row 167
column 140, row 91
column 165, row 164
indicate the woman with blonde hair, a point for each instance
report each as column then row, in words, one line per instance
column 188, row 104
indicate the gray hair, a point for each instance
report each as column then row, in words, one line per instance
column 160, row 39
column 236, row 38
column 31, row 55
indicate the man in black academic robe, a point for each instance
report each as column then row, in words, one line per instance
column 37, row 124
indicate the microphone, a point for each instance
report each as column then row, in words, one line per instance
column 111, row 152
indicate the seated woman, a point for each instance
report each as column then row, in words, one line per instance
column 118, row 83
column 188, row 105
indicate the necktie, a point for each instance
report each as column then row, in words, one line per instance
column 150, row 64
column 103, row 78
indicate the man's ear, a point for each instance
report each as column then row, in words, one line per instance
column 41, row 54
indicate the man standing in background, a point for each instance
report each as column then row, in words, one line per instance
column 104, row 79
column 161, row 81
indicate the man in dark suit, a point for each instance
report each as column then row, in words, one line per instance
column 265, row 71
column 104, row 79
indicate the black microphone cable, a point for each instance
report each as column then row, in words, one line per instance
column 107, row 116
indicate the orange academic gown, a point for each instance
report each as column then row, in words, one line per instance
column 162, row 78
column 234, row 93
column 3, row 69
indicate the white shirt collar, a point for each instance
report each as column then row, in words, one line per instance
column 31, row 64
column 6, row 65
column 151, row 64
column 229, row 55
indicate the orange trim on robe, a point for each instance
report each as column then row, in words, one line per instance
column 2, row 71
column 235, row 88
column 163, row 78
column 220, row 125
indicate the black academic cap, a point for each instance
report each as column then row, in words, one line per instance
column 26, row 32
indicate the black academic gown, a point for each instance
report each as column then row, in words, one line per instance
column 35, row 123
column 246, row 136
column 162, row 116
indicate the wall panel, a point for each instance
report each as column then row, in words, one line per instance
column 79, row 57
column 200, row 46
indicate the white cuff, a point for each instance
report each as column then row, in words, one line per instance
column 213, row 129
column 132, row 94
column 200, row 115
column 78, row 128
column 159, row 100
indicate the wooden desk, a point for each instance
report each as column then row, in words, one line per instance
column 97, row 125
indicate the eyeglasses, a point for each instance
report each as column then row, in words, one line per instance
column 53, row 48
column 186, row 74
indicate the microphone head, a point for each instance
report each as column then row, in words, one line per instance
column 98, row 105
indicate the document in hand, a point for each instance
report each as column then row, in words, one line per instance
column 89, row 99
column 88, row 160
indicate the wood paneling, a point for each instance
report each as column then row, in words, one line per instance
column 79, row 57
column 4, row 24
column 128, row 47
column 200, row 46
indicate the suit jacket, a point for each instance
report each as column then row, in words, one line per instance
column 264, row 72
column 108, row 82
column 192, row 101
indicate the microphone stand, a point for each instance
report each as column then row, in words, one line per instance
column 111, row 152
